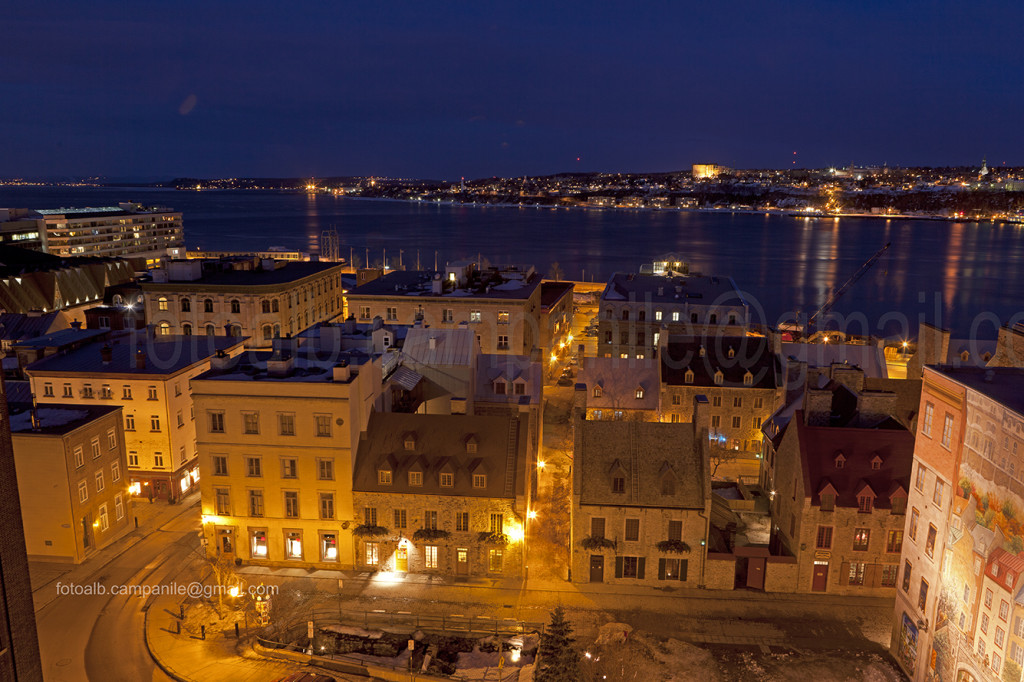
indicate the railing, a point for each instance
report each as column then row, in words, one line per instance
column 380, row 619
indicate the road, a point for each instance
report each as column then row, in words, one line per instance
column 100, row 636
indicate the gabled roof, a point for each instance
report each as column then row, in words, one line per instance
column 619, row 380
column 1005, row 569
column 753, row 354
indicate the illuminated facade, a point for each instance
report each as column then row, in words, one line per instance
column 126, row 230
column 705, row 171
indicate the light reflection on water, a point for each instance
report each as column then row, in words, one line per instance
column 785, row 263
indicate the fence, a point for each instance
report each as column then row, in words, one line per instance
column 380, row 619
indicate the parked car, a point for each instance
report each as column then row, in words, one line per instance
column 565, row 381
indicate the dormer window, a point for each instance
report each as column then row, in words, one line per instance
column 688, row 377
column 828, row 502
column 748, row 379
column 719, row 378
column 876, row 463
column 471, row 445
column 732, row 352
column 519, row 388
column 499, row 387
column 479, row 480
column 416, row 478
column 410, row 442
column 865, row 503
column 840, row 461
column 597, row 391
column 384, row 477
column 639, row 394
column 702, row 351
column 447, row 480
column 618, row 484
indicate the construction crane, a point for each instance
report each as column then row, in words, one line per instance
column 812, row 321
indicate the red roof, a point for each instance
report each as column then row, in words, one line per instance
column 1010, row 568
column 820, row 445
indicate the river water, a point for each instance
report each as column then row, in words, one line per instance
column 966, row 276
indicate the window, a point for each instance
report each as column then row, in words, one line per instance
column 430, row 520
column 630, row 567
column 984, row 623
column 981, row 648
column 364, row 312
column 161, row 303
column 497, row 524
column 919, row 479
column 67, row 391
column 519, row 388
column 947, row 432
column 447, row 480
column 716, row 421
column 824, row 540
column 100, row 485
column 158, row 460
column 632, row 530
column 499, row 387
column 323, row 425
column 115, row 471
column 48, row 390
column 251, row 422
column 289, row 467
column 494, row 560
column 325, row 469
column 154, row 422
column 392, row 313
column 256, row 503
column 328, row 543
column 756, row 423
column 736, row 422
column 384, row 477
column 372, row 555
column 913, row 524
column 502, row 317
column 929, row 545
column 828, row 502
column 447, row 315
column 861, row 539
column 906, row 576
column 415, row 478
column 286, row 423
column 326, row 505
column 133, row 459
column 1000, row 637
column 87, row 391
column 400, row 518
column 926, row 423
column 430, row 556
column 462, row 521
column 922, row 595
column 597, row 527
column 83, row 491
column 79, row 457
column 104, row 521
column 370, row 516
column 253, row 467
column 1004, row 610
column 220, row 465
column 939, row 489
column 479, row 480
column 894, row 541
column 619, row 484
column 474, row 316
column 118, row 507
column 889, row 572
column 293, row 544
column 151, row 393
column 988, row 598
column 857, row 572
column 639, row 394
column 222, row 501
column 181, row 419
column 502, row 342
column 864, row 503
column 899, row 505
column 236, row 306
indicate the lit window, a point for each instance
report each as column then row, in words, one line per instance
column 430, row 556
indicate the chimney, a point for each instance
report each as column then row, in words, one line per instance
column 106, row 354
column 701, row 417
column 817, row 406
column 140, row 359
column 220, row 360
column 458, row 405
column 342, row 373
column 1009, row 348
column 874, row 406
column 432, row 343
column 76, row 324
column 437, row 285
column 280, row 364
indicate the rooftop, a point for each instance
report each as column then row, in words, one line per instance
column 101, row 211
column 871, row 359
column 491, row 284
column 440, row 346
column 701, row 289
column 734, row 356
column 619, row 379
column 62, row 338
column 163, row 355
column 57, row 419
column 307, row 365
column 510, row 368
column 551, row 292
column 1005, row 385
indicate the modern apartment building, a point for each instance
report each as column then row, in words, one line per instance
column 277, row 434
column 149, row 378
column 501, row 304
column 126, row 230
column 72, row 479
column 636, row 310
column 959, row 612
column 641, row 501
column 444, row 494
column 258, row 299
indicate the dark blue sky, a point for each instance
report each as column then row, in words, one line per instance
column 445, row 89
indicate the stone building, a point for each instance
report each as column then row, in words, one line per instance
column 277, row 434
column 444, row 494
column 149, row 378
column 556, row 316
column 501, row 304
column 72, row 479
column 837, row 469
column 641, row 501
column 258, row 299
column 636, row 310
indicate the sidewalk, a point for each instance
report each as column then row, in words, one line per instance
column 46, row 574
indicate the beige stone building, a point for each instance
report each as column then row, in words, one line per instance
column 258, row 299
column 641, row 502
column 443, row 494
column 637, row 310
column 556, row 301
column 277, row 433
column 501, row 304
column 72, row 479
column 149, row 378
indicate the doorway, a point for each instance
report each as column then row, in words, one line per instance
column 755, row 572
column 462, row 561
column 402, row 560
column 820, row 582
column 596, row 568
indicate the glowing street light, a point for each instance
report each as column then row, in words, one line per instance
column 531, row 514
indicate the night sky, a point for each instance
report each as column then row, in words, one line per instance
column 449, row 89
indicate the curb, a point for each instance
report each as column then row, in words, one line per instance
column 156, row 659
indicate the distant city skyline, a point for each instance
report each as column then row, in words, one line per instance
column 462, row 90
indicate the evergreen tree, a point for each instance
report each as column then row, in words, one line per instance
column 559, row 660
